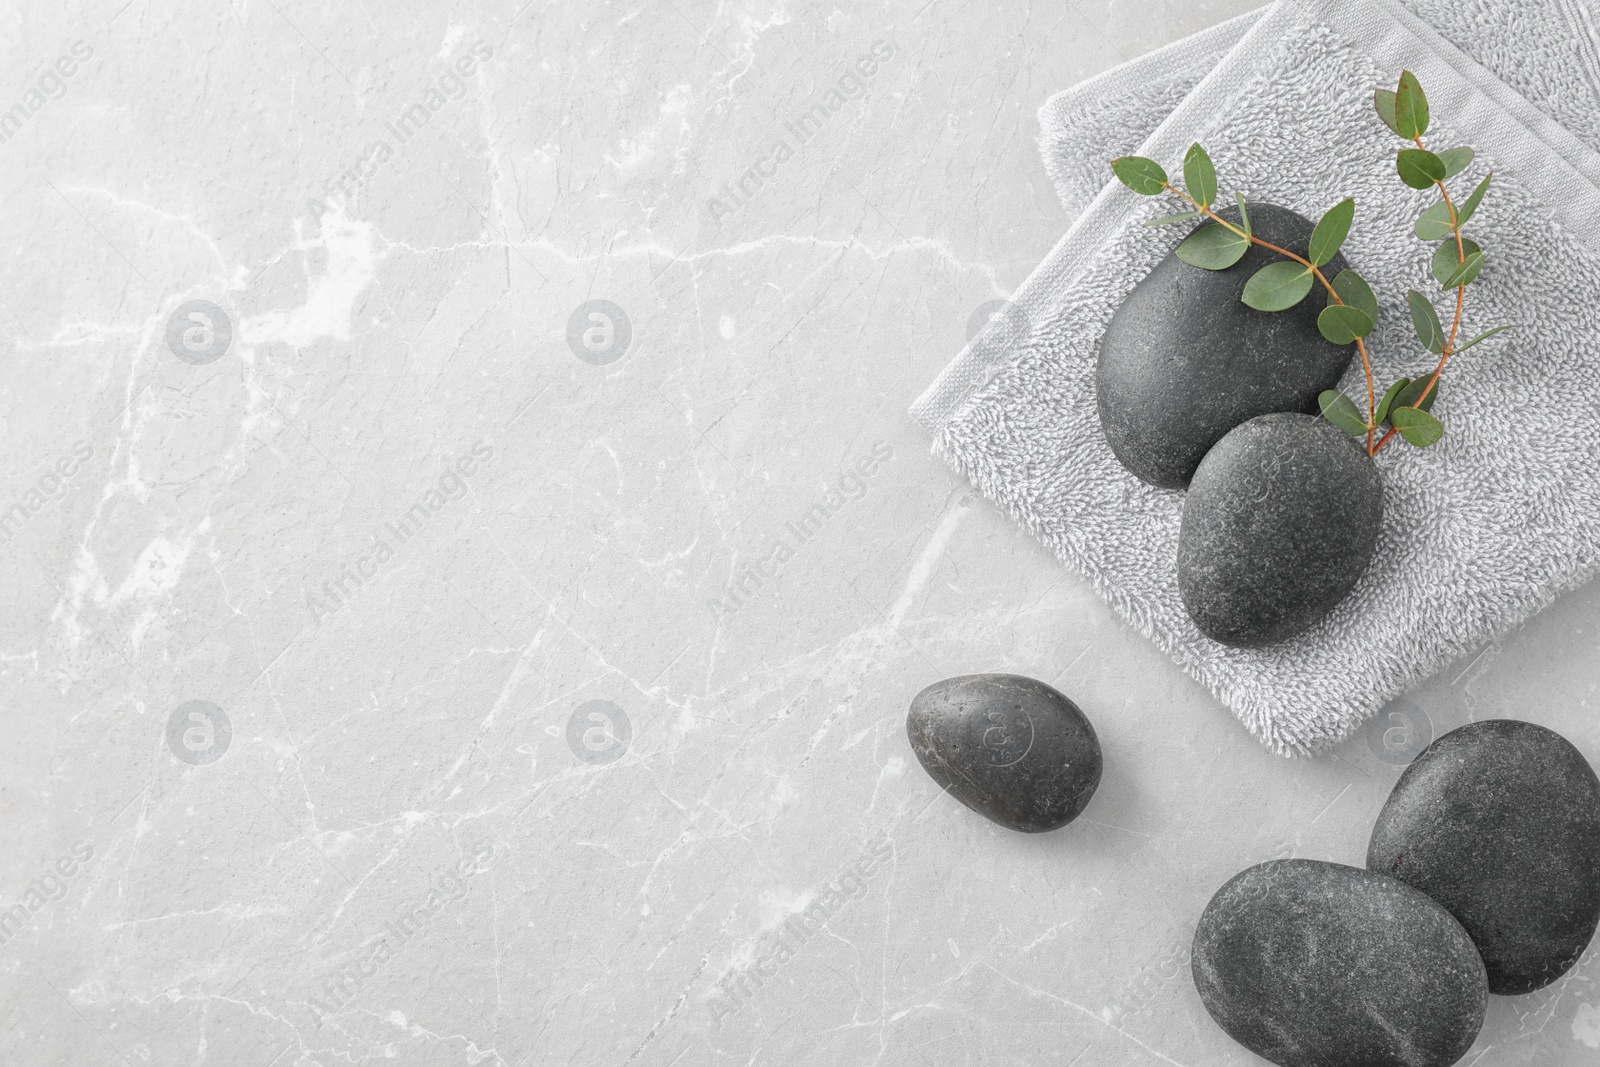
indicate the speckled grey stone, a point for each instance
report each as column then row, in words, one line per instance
column 1008, row 747
column 1308, row 964
column 1183, row 361
column 1499, row 821
column 1278, row 525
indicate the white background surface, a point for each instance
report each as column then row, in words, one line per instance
column 380, row 739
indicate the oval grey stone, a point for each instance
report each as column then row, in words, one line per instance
column 1278, row 526
column 1183, row 361
column 1008, row 747
column 1499, row 821
column 1307, row 963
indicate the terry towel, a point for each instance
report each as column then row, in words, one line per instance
column 1481, row 530
column 1544, row 49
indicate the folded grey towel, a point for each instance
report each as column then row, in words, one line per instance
column 1480, row 531
column 1544, row 49
column 1082, row 128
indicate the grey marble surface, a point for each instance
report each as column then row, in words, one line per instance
column 548, row 665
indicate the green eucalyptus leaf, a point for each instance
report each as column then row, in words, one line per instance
column 1330, row 233
column 1354, row 290
column 1435, row 222
column 1199, row 176
column 1413, row 392
column 1168, row 220
column 1467, row 273
column 1389, row 398
column 1213, row 247
column 1143, row 176
column 1342, row 412
column 1244, row 214
column 1471, row 206
column 1410, row 107
column 1277, row 286
column 1456, row 160
column 1341, row 324
column 1445, row 260
column 1425, row 321
column 1417, row 427
column 1384, row 101
column 1418, row 167
column 1481, row 337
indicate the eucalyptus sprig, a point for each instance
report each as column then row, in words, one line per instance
column 1352, row 309
column 1407, row 404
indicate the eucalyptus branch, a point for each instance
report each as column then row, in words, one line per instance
column 1351, row 313
column 1456, row 263
column 1352, row 309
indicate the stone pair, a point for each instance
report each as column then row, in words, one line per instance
column 1198, row 391
column 1482, row 876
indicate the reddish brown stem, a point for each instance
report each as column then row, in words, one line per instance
column 1448, row 348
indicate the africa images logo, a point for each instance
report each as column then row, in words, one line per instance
column 49, row 886
column 51, row 486
column 854, row 484
column 599, row 732
column 850, row 85
column 452, row 486
column 598, row 332
column 199, row 732
column 760, row 960
column 343, row 190
column 52, row 86
column 339, row 987
column 199, row 332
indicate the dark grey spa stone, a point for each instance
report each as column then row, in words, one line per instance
column 1183, row 361
column 1308, row 964
column 1278, row 525
column 1499, row 821
column 1008, row 747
